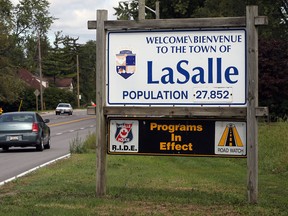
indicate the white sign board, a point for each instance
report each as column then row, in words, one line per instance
column 176, row 68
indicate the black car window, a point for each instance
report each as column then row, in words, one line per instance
column 39, row 118
column 6, row 118
column 29, row 118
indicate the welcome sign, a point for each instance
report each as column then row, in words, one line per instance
column 175, row 67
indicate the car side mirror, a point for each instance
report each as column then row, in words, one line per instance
column 46, row 120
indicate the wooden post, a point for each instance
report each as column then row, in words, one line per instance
column 37, row 103
column 252, row 126
column 157, row 10
column 40, row 70
column 100, row 102
column 141, row 11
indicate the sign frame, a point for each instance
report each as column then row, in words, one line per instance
column 177, row 137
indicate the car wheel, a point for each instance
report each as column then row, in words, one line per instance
column 47, row 146
column 40, row 147
column 5, row 148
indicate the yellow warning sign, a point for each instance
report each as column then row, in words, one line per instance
column 230, row 137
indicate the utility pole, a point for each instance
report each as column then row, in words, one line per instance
column 40, row 70
column 157, row 11
column 78, row 95
column 141, row 10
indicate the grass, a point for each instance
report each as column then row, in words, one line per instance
column 150, row 185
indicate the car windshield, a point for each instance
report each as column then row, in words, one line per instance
column 17, row 118
column 63, row 105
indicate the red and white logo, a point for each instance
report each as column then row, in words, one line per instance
column 123, row 133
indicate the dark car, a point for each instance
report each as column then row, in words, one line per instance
column 63, row 108
column 23, row 129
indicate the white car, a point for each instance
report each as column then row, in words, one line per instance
column 63, row 108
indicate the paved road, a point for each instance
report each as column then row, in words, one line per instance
column 64, row 129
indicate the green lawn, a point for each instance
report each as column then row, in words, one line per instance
column 149, row 185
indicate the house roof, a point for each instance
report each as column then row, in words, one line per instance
column 63, row 82
column 29, row 78
column 34, row 81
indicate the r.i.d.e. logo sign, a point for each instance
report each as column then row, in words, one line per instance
column 124, row 132
column 124, row 136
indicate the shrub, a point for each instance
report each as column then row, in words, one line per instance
column 77, row 146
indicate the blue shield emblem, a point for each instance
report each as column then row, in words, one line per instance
column 125, row 63
column 123, row 133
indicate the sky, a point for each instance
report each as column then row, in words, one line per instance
column 73, row 15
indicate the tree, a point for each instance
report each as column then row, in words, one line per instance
column 127, row 10
column 5, row 39
column 5, row 14
column 31, row 17
column 284, row 11
column 273, row 77
column 31, row 20
column 4, row 48
column 168, row 9
column 19, row 27
column 177, row 9
column 278, row 25
column 221, row 8
column 275, row 11
column 10, row 87
column 87, row 57
column 53, row 96
column 61, row 60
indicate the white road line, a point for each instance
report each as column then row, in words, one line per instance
column 33, row 169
